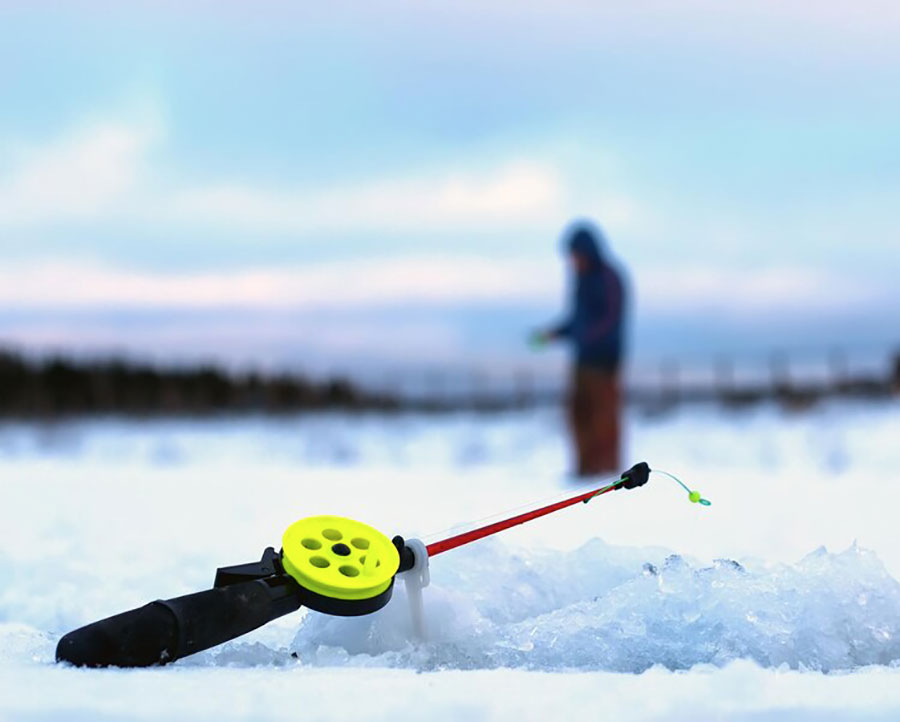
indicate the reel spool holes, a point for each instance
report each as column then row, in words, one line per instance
column 347, row 566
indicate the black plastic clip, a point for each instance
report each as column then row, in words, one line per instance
column 267, row 566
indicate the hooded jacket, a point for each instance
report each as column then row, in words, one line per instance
column 595, row 323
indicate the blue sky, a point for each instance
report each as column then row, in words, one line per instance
column 288, row 181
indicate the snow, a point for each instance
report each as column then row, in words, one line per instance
column 739, row 692
column 639, row 605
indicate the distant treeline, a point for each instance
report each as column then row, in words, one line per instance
column 55, row 386
column 31, row 387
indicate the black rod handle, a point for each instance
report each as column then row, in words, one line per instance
column 163, row 631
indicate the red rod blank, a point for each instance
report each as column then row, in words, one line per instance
column 452, row 542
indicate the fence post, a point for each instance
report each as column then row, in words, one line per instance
column 724, row 378
column 670, row 390
column 781, row 378
column 895, row 381
column 840, row 376
column 524, row 391
column 434, row 392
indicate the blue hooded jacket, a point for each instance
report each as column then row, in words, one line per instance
column 595, row 326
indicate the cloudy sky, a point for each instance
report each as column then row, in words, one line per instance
column 355, row 182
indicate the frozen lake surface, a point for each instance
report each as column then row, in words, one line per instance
column 780, row 601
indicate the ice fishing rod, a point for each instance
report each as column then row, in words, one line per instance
column 329, row 564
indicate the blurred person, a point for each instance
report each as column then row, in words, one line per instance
column 595, row 330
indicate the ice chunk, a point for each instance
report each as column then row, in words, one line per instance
column 601, row 608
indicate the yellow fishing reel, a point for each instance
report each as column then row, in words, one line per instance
column 343, row 566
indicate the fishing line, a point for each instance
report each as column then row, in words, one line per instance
column 693, row 495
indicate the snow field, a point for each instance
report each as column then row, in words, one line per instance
column 640, row 603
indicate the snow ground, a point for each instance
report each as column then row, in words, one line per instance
column 632, row 606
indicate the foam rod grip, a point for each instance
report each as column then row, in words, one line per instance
column 163, row 631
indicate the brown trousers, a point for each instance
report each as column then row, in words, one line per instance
column 594, row 407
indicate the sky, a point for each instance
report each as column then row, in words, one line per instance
column 344, row 185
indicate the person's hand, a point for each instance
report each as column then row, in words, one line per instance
column 539, row 339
